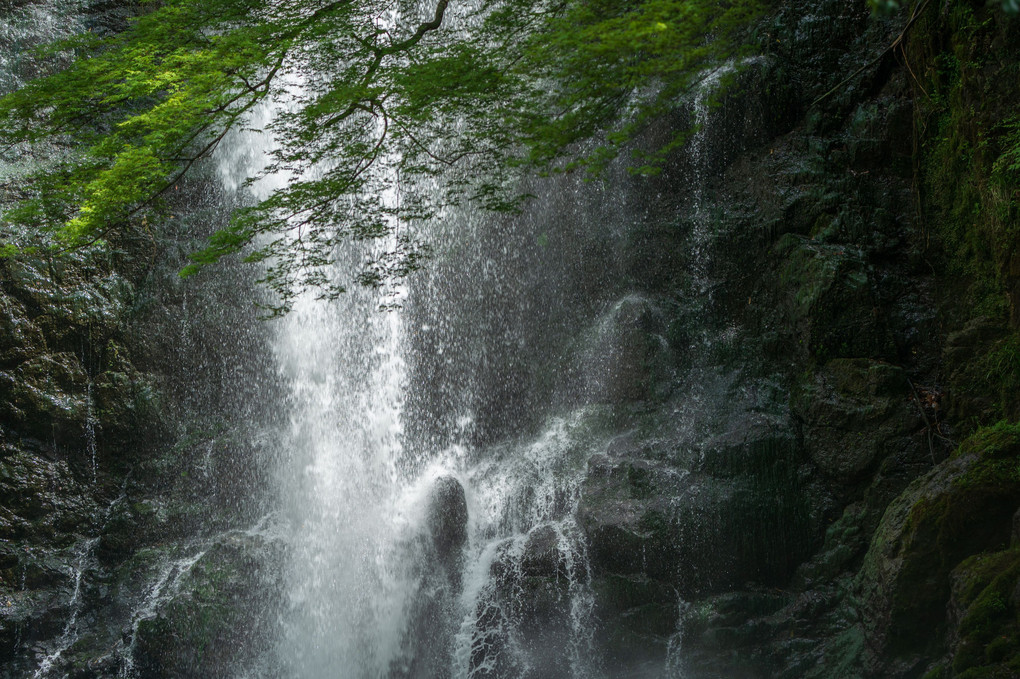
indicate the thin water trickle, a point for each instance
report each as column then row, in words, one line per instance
column 90, row 433
column 701, row 159
column 163, row 587
column 81, row 565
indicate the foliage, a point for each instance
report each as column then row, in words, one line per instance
column 969, row 141
column 384, row 116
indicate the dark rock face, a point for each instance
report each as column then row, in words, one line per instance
column 855, row 412
column 60, row 328
column 787, row 498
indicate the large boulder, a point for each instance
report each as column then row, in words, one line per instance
column 438, row 558
column 623, row 356
column 965, row 506
column 446, row 518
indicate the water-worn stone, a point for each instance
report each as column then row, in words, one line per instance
column 446, row 517
column 528, row 614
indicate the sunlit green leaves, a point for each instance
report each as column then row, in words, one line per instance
column 617, row 66
column 454, row 101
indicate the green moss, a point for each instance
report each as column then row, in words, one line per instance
column 996, row 472
column 999, row 441
column 844, row 656
column 1000, row 368
column 988, row 631
column 970, row 157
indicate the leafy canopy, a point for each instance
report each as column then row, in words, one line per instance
column 453, row 100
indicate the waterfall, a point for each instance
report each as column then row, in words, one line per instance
column 427, row 477
column 346, row 507
column 384, row 408
column 363, row 502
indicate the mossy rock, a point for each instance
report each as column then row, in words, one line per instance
column 982, row 360
column 45, row 397
column 43, row 500
column 830, row 300
column 20, row 338
column 963, row 507
column 986, row 608
column 73, row 297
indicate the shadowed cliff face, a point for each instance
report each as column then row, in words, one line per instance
column 126, row 448
column 701, row 425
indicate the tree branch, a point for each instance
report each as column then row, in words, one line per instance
column 918, row 10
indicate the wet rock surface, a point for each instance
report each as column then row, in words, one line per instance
column 530, row 619
column 225, row 597
column 107, row 475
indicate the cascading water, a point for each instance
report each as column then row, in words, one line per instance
column 428, row 477
column 340, row 494
column 340, row 487
column 702, row 159
column 72, row 631
column 374, row 582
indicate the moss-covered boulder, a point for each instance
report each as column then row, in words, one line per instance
column 963, row 507
column 985, row 613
